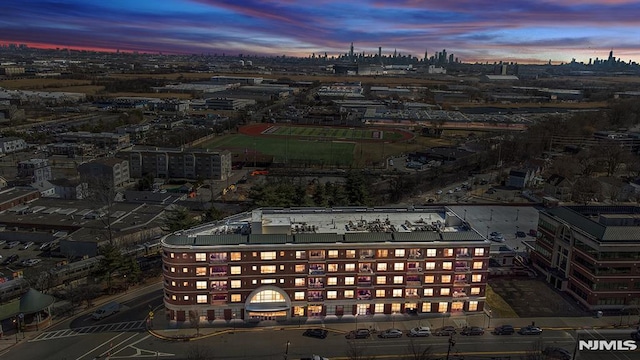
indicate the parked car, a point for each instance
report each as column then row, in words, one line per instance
column 530, row 330
column 27, row 245
column 472, row 330
column 520, row 234
column 495, row 233
column 31, row 262
column 390, row 333
column 497, row 238
column 358, row 334
column 445, row 331
column 11, row 259
column 316, row 333
column 12, row 244
column 504, row 330
column 553, row 352
column 420, row 331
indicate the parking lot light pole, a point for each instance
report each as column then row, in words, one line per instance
column 286, row 352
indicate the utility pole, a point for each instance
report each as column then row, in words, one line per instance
column 452, row 343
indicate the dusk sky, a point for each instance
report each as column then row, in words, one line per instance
column 474, row 30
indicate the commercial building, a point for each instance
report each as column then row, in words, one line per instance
column 111, row 172
column 103, row 140
column 34, row 170
column 178, row 163
column 592, row 253
column 11, row 144
column 326, row 264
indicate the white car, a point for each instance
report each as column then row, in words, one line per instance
column 27, row 245
column 31, row 262
column 439, row 192
column 420, row 331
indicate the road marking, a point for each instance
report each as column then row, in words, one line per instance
column 124, row 326
column 99, row 346
column 111, row 347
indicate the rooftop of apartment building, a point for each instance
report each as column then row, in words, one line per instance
column 605, row 223
column 332, row 225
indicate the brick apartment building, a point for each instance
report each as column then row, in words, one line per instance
column 592, row 253
column 280, row 264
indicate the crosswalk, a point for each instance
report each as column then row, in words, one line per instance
column 121, row 326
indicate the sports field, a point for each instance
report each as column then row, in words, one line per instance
column 333, row 132
column 287, row 150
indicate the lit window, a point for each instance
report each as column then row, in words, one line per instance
column 447, row 265
column 426, row 307
column 254, row 254
column 267, row 281
column 173, row 297
column 398, row 266
column 448, row 252
column 382, row 266
column 236, row 284
column 298, row 295
column 398, row 279
column 332, row 267
column 186, row 297
column 431, row 252
column 332, row 281
column 300, row 282
column 476, row 278
column 477, row 265
column 443, row 306
column 473, row 306
column 332, row 294
column 479, row 252
column 301, row 254
column 379, row 308
column 173, row 283
column 185, row 270
column 201, row 299
column 300, row 268
column 380, row 293
column 350, row 254
column 282, row 267
column 411, row 293
column 430, row 265
column 429, row 279
column 281, row 281
column 185, row 284
column 445, row 292
column 254, row 281
column 236, row 256
column 333, row 254
column 236, row 298
column 236, row 270
column 267, row 296
column 172, row 255
column 427, row 292
column 382, row 253
column 446, row 279
column 201, row 257
column 397, row 292
column 267, row 269
column 348, row 294
column 254, row 267
column 267, row 255
column 201, row 285
column 395, row 308
column 399, row 252
column 381, row 280
column 475, row 291
column 349, row 267
column 201, row 271
column 173, row 269
column 316, row 254
column 349, row 280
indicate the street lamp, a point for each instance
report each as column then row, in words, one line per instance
column 356, row 317
column 491, row 217
column 489, row 317
column 393, row 320
column 233, row 321
column 286, row 352
column 452, row 343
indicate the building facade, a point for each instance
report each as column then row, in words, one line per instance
column 282, row 264
column 592, row 253
column 11, row 144
column 34, row 170
column 178, row 163
column 113, row 171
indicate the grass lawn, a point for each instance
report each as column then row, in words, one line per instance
column 499, row 307
column 328, row 152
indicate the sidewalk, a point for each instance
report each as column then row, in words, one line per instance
column 161, row 328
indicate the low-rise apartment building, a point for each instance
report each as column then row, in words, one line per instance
column 338, row 263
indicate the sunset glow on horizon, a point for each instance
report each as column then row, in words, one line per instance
column 475, row 31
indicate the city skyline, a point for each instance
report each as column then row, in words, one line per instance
column 479, row 31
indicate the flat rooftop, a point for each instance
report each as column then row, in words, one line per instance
column 331, row 225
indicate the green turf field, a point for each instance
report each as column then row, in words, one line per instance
column 287, row 150
column 337, row 133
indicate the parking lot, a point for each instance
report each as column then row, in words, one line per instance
column 30, row 268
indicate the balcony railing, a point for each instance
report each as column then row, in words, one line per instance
column 219, row 274
column 316, row 271
column 415, row 269
column 315, row 298
column 316, row 285
column 460, row 294
column 216, row 289
column 414, row 283
column 463, row 255
column 366, row 270
column 412, row 296
column 462, row 269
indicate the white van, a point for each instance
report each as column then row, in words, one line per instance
column 106, row 310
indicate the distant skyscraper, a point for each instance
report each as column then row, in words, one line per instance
column 425, row 56
column 380, row 51
column 351, row 52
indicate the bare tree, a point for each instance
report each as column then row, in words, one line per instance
column 612, row 154
column 194, row 319
column 356, row 351
column 418, row 351
column 199, row 352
